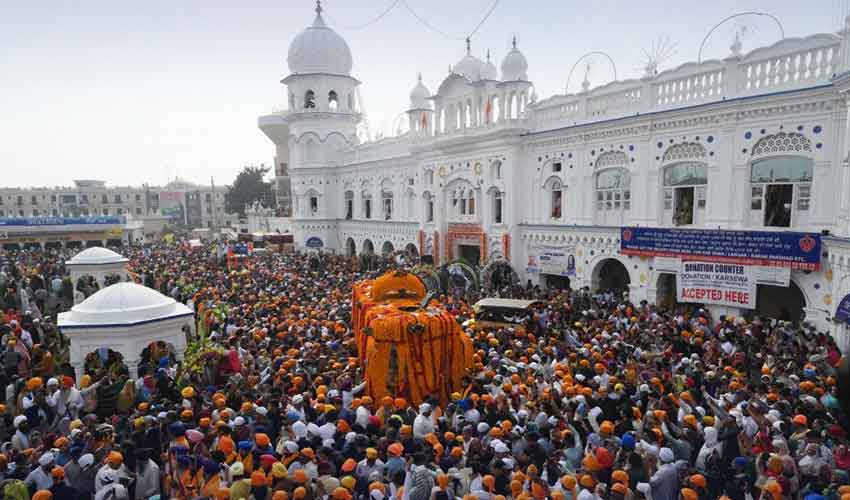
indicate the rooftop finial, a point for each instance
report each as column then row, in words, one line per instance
column 319, row 7
column 736, row 45
column 468, row 46
column 514, row 42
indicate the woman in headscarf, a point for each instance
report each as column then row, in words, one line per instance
column 709, row 447
column 708, row 462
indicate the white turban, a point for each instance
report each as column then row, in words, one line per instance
column 45, row 459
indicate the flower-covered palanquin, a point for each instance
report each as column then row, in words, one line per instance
column 410, row 346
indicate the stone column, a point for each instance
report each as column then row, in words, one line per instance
column 132, row 366
column 78, row 370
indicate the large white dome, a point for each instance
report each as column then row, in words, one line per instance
column 419, row 96
column 123, row 304
column 514, row 65
column 97, row 255
column 319, row 49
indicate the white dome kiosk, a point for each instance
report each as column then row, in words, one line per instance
column 99, row 263
column 126, row 318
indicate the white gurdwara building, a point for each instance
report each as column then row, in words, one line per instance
column 633, row 185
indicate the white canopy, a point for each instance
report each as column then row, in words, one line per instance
column 96, row 256
column 100, row 263
column 122, row 304
column 125, row 317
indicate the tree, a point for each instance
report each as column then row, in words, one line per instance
column 248, row 188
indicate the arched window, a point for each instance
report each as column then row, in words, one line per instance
column 333, row 104
column 613, row 192
column 350, row 103
column 387, row 203
column 442, row 120
column 685, row 179
column 556, row 197
column 349, row 205
column 457, row 117
column 312, row 202
column 366, row 196
column 468, row 115
column 498, row 216
column 496, row 109
column 309, row 99
column 780, row 191
column 292, row 100
column 685, row 190
column 429, row 207
column 613, row 189
column 461, row 201
column 429, row 177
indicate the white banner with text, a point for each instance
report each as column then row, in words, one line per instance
column 731, row 285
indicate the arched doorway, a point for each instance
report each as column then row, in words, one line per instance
column 665, row 291
column 86, row 286
column 387, row 249
column 158, row 354
column 368, row 247
column 610, row 275
column 350, row 247
column 411, row 250
column 106, row 366
column 103, row 361
column 779, row 302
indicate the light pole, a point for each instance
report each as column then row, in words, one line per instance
column 733, row 16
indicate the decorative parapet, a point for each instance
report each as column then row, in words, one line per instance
column 790, row 64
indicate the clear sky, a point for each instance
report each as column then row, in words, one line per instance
column 133, row 92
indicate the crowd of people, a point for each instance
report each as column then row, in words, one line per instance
column 593, row 398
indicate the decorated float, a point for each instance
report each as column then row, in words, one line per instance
column 409, row 345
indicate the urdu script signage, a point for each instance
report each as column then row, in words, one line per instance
column 758, row 248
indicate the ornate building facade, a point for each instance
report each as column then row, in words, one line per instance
column 751, row 146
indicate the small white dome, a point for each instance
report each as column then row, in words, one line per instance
column 489, row 71
column 419, row 96
column 470, row 67
column 123, row 304
column 514, row 65
column 95, row 256
column 319, row 49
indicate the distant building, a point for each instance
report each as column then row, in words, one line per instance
column 182, row 202
column 90, row 212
